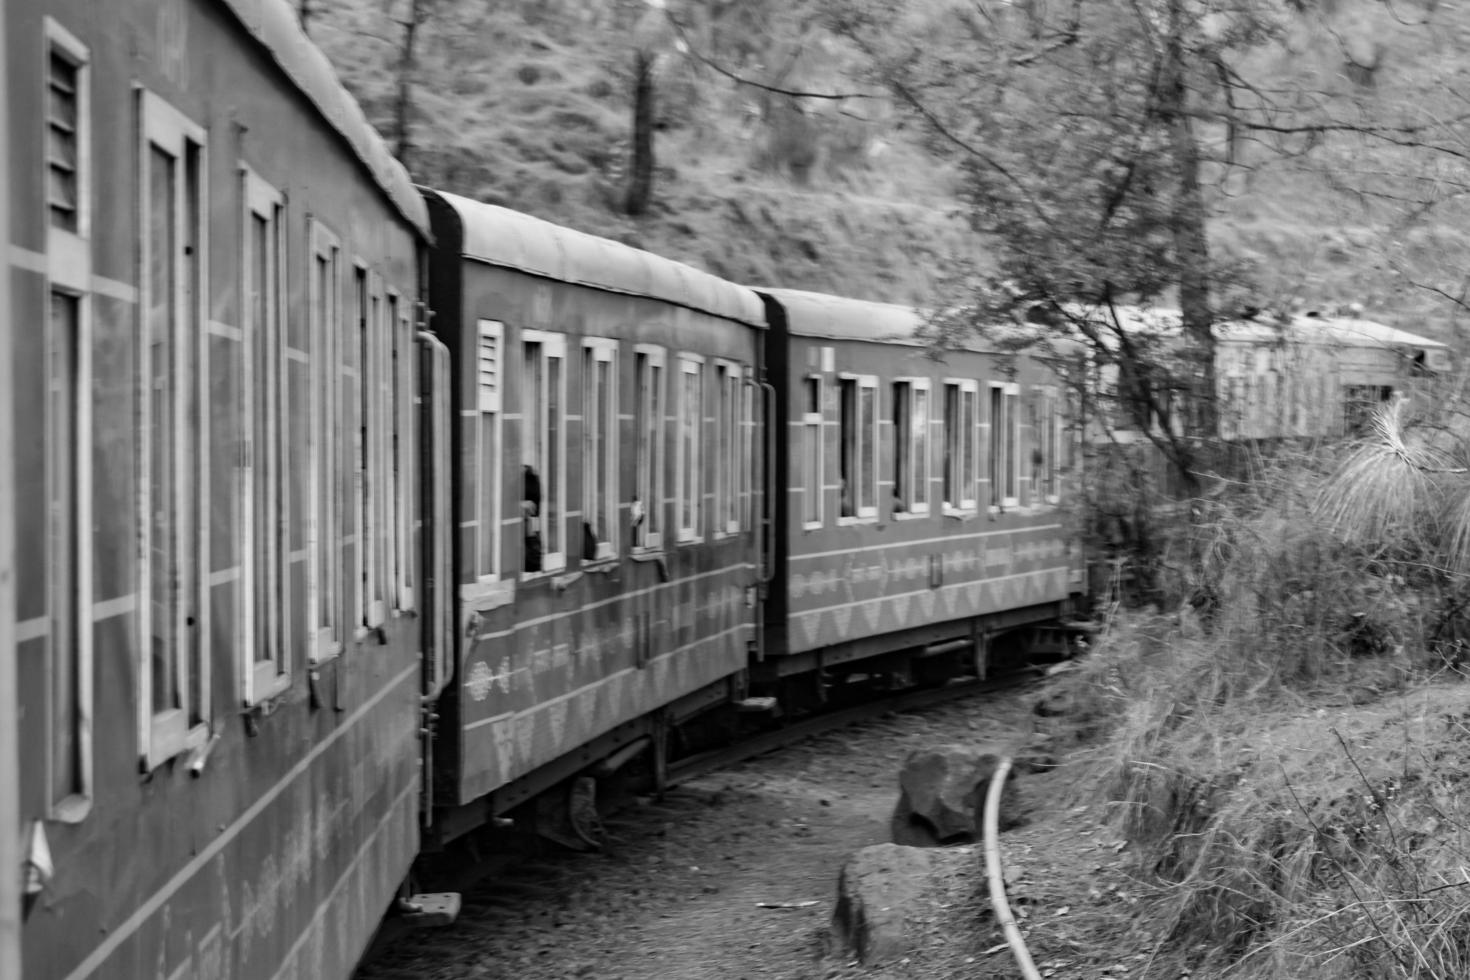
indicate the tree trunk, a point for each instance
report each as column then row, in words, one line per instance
column 1191, row 246
column 640, row 173
column 403, row 103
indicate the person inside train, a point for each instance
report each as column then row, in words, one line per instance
column 530, row 511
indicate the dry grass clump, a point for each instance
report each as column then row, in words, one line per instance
column 1286, row 753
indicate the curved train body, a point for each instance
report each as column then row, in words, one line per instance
column 216, row 263
column 349, row 517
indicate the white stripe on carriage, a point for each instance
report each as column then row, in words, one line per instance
column 32, row 629
column 228, row 331
column 108, row 608
column 120, row 934
column 39, row 262
column 943, row 539
column 501, row 634
column 539, row 705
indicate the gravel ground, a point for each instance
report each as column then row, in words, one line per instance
column 733, row 877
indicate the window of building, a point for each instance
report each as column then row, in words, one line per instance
column 1005, row 444
column 911, row 446
column 543, row 450
column 264, row 595
column 175, row 668
column 961, row 418
column 325, row 478
column 729, row 476
column 811, row 451
column 599, row 448
column 858, row 457
column 489, row 344
column 648, row 492
column 688, row 459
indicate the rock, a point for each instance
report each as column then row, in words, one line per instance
column 943, row 795
column 876, row 887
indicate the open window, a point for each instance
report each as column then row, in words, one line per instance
column 599, row 448
column 858, row 457
column 811, row 452
column 911, row 406
column 961, row 429
column 174, row 673
column 729, row 475
column 325, row 479
column 543, row 450
column 1005, row 444
column 648, row 493
column 264, row 595
column 688, row 457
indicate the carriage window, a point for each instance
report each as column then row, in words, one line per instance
column 960, row 408
column 858, row 424
column 175, row 668
column 1050, row 441
column 404, row 470
column 488, row 407
column 599, row 448
column 728, row 479
column 325, row 478
column 263, row 593
column 543, row 451
column 647, row 511
column 811, row 452
column 911, row 447
column 356, row 415
column 1005, row 444
column 688, row 458
column 70, row 755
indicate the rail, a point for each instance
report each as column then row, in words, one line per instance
column 995, row 874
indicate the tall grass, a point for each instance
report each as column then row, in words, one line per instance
column 1285, row 746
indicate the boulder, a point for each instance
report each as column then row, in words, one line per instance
column 877, row 886
column 942, row 799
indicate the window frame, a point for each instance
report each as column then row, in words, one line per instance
column 489, row 411
column 650, row 476
column 601, row 350
column 405, row 452
column 69, row 274
column 265, row 563
column 692, row 365
column 813, row 425
column 324, row 578
column 729, row 387
column 1010, row 447
column 955, row 438
column 860, row 447
column 168, row 733
column 911, row 472
column 535, row 420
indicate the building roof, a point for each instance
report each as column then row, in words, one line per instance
column 275, row 25
column 502, row 237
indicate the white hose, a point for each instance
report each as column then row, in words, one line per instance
column 997, row 877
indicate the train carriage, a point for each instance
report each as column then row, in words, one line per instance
column 606, row 545
column 217, row 261
column 924, row 515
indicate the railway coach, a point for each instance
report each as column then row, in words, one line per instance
column 607, row 531
column 923, row 525
column 217, row 263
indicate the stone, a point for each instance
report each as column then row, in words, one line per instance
column 942, row 799
column 875, row 889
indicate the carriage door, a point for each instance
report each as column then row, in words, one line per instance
column 438, row 580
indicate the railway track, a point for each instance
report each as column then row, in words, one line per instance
column 694, row 766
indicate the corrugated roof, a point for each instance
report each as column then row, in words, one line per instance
column 274, row 24
column 502, row 237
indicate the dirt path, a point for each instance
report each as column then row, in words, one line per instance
column 679, row 893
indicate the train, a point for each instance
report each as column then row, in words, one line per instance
column 344, row 517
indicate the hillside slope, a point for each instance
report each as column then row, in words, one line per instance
column 528, row 103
